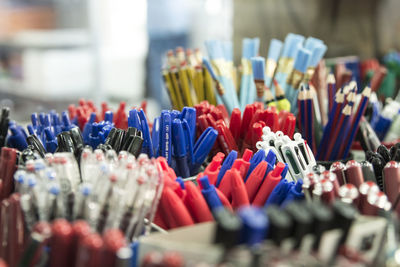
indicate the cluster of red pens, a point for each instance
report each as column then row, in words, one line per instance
column 239, row 132
column 81, row 113
column 184, row 203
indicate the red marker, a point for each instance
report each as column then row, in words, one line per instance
column 196, row 203
column 255, row 180
column 332, row 177
column 235, row 123
column 243, row 164
column 89, row 251
column 268, row 185
column 365, row 201
column 113, row 241
column 212, row 169
column 239, row 193
column 61, row 244
column 174, row 211
column 8, row 167
column 391, row 176
column 348, row 193
column 326, row 191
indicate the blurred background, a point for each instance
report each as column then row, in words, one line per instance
column 53, row 52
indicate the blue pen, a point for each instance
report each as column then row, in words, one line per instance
column 210, row 194
column 55, row 121
column 294, row 193
column 134, row 120
column 285, row 170
column 155, row 136
column 94, row 137
column 189, row 114
column 175, row 114
column 271, row 157
column 147, row 144
column 88, row 128
column 31, row 130
column 279, row 193
column 255, row 160
column 226, row 165
column 50, row 140
column 34, row 120
column 188, row 141
column 16, row 139
column 179, row 144
column 254, row 225
column 202, row 148
column 166, row 143
column 66, row 122
column 108, row 117
column 269, row 168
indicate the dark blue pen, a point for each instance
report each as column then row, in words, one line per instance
column 179, row 144
column 279, row 193
column 134, row 120
column 55, row 121
column 175, row 114
column 189, row 114
column 255, row 160
column 94, row 137
column 210, row 194
column 271, row 157
column 155, row 136
column 188, row 140
column 166, row 144
column 226, row 165
column 50, row 140
column 66, row 122
column 202, row 148
column 88, row 128
column 108, row 117
column 147, row 144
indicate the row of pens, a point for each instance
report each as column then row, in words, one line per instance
column 109, row 199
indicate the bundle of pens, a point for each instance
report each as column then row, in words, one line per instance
column 239, row 132
column 114, row 195
column 192, row 79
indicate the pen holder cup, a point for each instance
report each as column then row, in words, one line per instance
column 327, row 164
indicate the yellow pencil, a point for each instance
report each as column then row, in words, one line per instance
column 170, row 88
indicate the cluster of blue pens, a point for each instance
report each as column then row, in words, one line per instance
column 173, row 137
column 295, row 61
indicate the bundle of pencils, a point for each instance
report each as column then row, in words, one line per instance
column 192, row 79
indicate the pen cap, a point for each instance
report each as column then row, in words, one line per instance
column 354, row 173
column 65, row 142
column 37, row 145
column 344, row 215
column 178, row 138
column 280, row 224
column 391, row 173
column 302, row 218
column 338, row 169
column 210, row 194
column 254, row 225
column 228, row 227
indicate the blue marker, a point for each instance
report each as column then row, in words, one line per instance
column 202, row 148
column 210, row 194
column 179, row 144
column 226, row 165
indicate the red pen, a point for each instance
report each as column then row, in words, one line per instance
column 235, row 123
column 224, row 112
column 104, row 109
column 289, row 125
column 120, row 118
column 82, row 117
column 238, row 189
column 89, row 251
column 268, row 185
column 61, row 244
column 196, row 204
column 258, row 105
column 174, row 212
column 159, row 220
column 243, row 164
column 225, row 185
column 217, row 114
column 72, row 111
column 225, row 137
column 8, row 167
column 223, row 199
column 247, row 117
column 256, row 133
column 255, row 180
column 113, row 240
column 212, row 169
